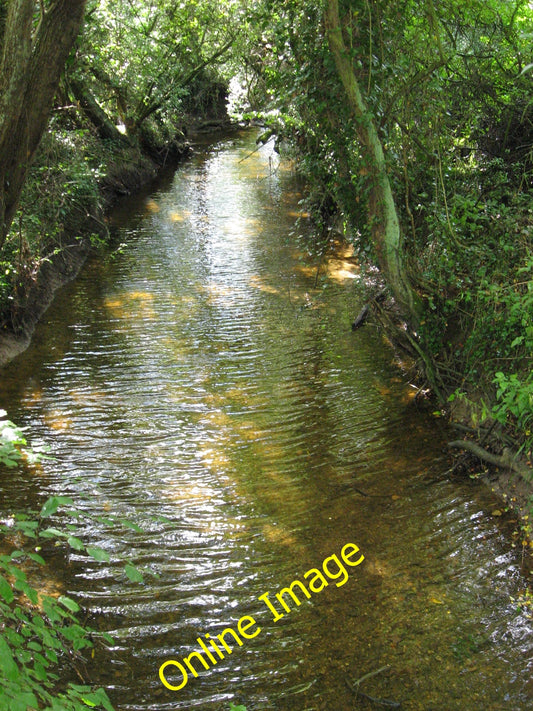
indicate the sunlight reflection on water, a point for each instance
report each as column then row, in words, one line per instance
column 208, row 375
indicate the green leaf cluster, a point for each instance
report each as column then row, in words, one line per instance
column 448, row 87
column 514, row 404
column 38, row 631
column 13, row 444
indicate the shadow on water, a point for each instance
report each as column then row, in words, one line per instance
column 202, row 375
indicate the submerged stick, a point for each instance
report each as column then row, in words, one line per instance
column 361, row 317
column 383, row 702
column 363, row 314
column 255, row 150
column 373, row 496
column 374, row 673
column 354, row 686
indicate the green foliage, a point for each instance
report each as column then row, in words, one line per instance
column 62, row 186
column 146, row 67
column 449, row 89
column 61, row 190
column 11, row 439
column 157, row 58
column 481, row 314
column 40, row 634
column 240, row 707
column 13, row 444
column 39, row 631
column 514, row 404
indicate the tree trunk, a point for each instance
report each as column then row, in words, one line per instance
column 30, row 69
column 383, row 217
column 95, row 113
column 121, row 94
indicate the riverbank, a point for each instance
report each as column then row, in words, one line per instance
column 40, row 274
column 483, row 448
column 59, row 227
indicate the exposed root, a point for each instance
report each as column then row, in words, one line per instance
column 506, row 460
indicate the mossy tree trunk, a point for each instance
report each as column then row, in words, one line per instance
column 383, row 217
column 33, row 54
column 94, row 112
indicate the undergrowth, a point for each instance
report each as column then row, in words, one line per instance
column 42, row 636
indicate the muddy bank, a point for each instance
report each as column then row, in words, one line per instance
column 485, row 452
column 51, row 275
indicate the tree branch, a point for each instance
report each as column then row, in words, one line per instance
column 506, row 460
column 156, row 105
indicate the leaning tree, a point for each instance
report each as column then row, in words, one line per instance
column 35, row 41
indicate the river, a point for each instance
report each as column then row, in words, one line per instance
column 204, row 383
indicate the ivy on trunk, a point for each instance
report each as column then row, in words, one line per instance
column 383, row 217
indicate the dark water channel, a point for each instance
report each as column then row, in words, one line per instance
column 199, row 375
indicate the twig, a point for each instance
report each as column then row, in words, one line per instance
column 370, row 674
column 256, row 149
column 383, row 702
column 361, row 317
column 507, row 460
column 354, row 686
column 373, row 496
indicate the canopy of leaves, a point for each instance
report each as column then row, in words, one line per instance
column 449, row 87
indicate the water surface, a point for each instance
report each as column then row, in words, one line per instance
column 205, row 374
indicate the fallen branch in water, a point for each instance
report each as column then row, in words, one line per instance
column 506, row 460
column 263, row 143
column 363, row 314
column 373, row 496
column 370, row 674
column 354, row 686
column 383, row 702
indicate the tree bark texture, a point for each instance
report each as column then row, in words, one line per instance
column 30, row 68
column 384, row 223
column 95, row 113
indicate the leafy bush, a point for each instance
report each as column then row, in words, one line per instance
column 38, row 632
column 515, row 404
column 13, row 445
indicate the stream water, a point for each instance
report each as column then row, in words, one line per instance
column 205, row 375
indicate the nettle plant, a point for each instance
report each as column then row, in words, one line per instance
column 13, row 444
column 515, row 405
column 41, row 634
